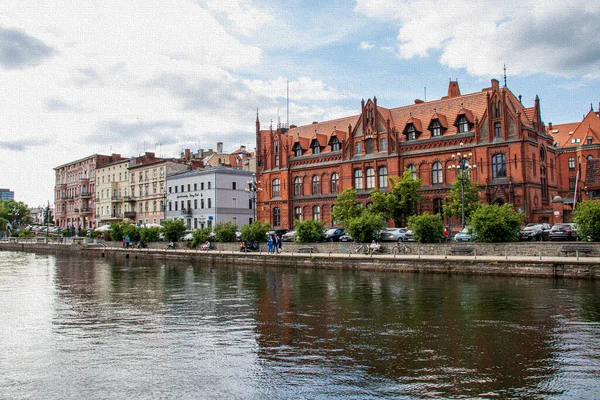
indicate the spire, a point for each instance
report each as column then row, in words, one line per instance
column 504, row 75
column 257, row 115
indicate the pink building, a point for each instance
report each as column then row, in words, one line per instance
column 74, row 191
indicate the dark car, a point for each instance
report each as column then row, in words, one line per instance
column 563, row 232
column 537, row 232
column 278, row 232
column 334, row 234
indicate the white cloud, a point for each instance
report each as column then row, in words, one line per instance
column 241, row 15
column 365, row 45
column 302, row 89
column 529, row 36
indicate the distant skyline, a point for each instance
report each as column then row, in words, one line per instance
column 83, row 78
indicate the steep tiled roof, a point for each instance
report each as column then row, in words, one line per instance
column 565, row 134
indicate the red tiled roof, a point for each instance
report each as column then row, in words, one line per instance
column 566, row 133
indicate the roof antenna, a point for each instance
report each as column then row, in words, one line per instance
column 504, row 75
column 425, row 93
column 288, row 105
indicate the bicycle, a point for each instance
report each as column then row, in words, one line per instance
column 401, row 248
column 360, row 249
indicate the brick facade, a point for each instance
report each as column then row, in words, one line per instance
column 301, row 170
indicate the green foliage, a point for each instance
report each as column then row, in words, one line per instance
column 427, row 228
column 587, row 218
column 151, row 234
column 309, row 231
column 494, row 223
column 401, row 201
column 3, row 224
column 95, row 234
column 364, row 227
column 225, row 232
column 453, row 205
column 116, row 232
column 131, row 230
column 26, row 233
column 346, row 207
column 174, row 229
column 17, row 213
column 200, row 236
column 255, row 232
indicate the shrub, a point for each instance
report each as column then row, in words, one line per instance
column 364, row 228
column 116, row 232
column 174, row 229
column 150, row 234
column 200, row 236
column 426, row 228
column 95, row 234
column 587, row 218
column 225, row 232
column 25, row 233
column 309, row 231
column 132, row 231
column 255, row 232
column 494, row 223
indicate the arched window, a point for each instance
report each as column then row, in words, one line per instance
column 358, row 179
column 276, row 216
column 370, row 178
column 275, row 188
column 413, row 170
column 298, row 214
column 436, row 174
column 383, row 177
column 316, row 185
column 335, row 183
column 298, row 186
column 499, row 166
column 316, row 213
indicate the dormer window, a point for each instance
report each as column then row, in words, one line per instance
column 335, row 144
column 315, row 146
column 297, row 149
column 463, row 124
column 411, row 133
column 436, row 128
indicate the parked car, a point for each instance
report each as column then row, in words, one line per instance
column 188, row 237
column 465, row 235
column 396, row 235
column 346, row 238
column 278, row 232
column 535, row 232
column 563, row 232
column 334, row 234
column 288, row 236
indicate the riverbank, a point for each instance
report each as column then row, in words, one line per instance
column 507, row 262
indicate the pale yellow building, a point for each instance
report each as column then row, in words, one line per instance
column 113, row 192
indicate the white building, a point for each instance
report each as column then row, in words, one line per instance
column 204, row 197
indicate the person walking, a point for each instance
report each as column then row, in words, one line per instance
column 270, row 244
column 127, row 241
column 279, row 244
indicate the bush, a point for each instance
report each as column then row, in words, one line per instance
column 200, row 236
column 494, row 223
column 116, row 232
column 25, row 233
column 150, row 234
column 225, row 232
column 364, row 228
column 174, row 229
column 309, row 231
column 95, row 234
column 132, row 231
column 427, row 228
column 255, row 232
column 587, row 218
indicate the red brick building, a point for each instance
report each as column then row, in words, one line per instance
column 301, row 170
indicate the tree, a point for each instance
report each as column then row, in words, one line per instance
column 309, row 231
column 492, row 223
column 116, row 232
column 364, row 227
column 453, row 205
column 427, row 228
column 255, row 232
column 17, row 213
column 132, row 231
column 401, row 201
column 225, row 231
column 200, row 236
column 174, row 229
column 346, row 207
column 150, row 234
column 587, row 218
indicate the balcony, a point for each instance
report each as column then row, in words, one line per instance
column 116, row 198
column 61, row 186
column 85, row 195
column 84, row 181
column 85, row 210
column 61, row 214
column 186, row 212
column 129, row 214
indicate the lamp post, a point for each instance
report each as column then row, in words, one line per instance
column 252, row 189
column 462, row 164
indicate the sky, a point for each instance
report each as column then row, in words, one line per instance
column 113, row 76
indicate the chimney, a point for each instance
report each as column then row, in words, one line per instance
column 187, row 154
column 418, row 101
column 495, row 84
column 219, row 147
column 453, row 89
column 242, row 149
column 550, row 125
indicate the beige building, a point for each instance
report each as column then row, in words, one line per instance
column 147, row 188
column 112, row 192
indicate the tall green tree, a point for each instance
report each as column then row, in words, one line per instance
column 401, row 201
column 587, row 218
column 453, row 204
column 493, row 223
column 346, row 207
column 17, row 213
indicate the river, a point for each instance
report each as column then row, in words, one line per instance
column 73, row 327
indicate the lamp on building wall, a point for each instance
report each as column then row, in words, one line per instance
column 462, row 164
column 251, row 190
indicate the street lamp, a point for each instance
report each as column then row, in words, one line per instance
column 252, row 189
column 461, row 160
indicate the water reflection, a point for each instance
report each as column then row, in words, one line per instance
column 204, row 331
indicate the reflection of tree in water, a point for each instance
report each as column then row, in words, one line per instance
column 438, row 333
